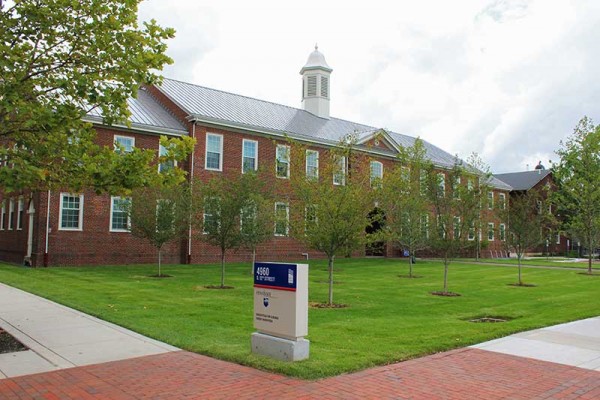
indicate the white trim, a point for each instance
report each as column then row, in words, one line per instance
column 123, row 137
column 491, row 225
column 208, row 134
column 490, row 206
column 287, row 219
column 255, row 153
column 112, row 204
column 3, row 215
column 288, row 161
column 441, row 184
column 343, row 173
column 11, row 212
column 311, row 151
column 60, row 212
column 371, row 178
column 20, row 209
column 384, row 134
column 160, row 146
column 502, row 200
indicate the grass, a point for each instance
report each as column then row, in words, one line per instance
column 389, row 319
column 543, row 261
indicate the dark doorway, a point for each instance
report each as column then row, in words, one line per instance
column 377, row 218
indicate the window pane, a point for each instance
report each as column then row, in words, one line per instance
column 282, row 162
column 249, row 156
column 281, row 219
column 70, row 212
column 312, row 164
column 125, row 142
column 119, row 214
column 213, row 152
column 339, row 177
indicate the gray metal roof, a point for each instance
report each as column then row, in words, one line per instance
column 218, row 107
column 148, row 114
column 523, row 180
column 498, row 184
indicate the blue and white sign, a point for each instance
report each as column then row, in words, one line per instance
column 281, row 299
column 275, row 276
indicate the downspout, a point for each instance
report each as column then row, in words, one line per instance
column 47, row 230
column 189, row 255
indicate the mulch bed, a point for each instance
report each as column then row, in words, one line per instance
column 160, row 276
column 9, row 344
column 313, row 304
column 447, row 294
column 218, row 287
column 522, row 284
column 588, row 274
column 410, row 276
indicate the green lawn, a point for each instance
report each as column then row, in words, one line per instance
column 543, row 261
column 388, row 319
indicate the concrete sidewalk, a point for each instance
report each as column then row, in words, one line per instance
column 59, row 337
column 575, row 343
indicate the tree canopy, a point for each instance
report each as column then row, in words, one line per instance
column 61, row 60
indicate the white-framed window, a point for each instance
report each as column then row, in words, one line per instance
column 455, row 188
column 339, row 175
column 166, row 165
column 425, row 225
column 282, row 161
column 490, row 200
column 70, row 216
column 282, row 219
column 490, row 231
column 471, row 235
column 119, row 218
column 470, row 184
column 441, row 181
column 456, row 228
column 20, row 213
column 376, row 173
column 124, row 143
column 3, row 215
column 11, row 213
column 210, row 215
column 312, row 164
column 502, row 201
column 423, row 182
column 249, row 155
column 310, row 216
column 502, row 232
column 213, row 159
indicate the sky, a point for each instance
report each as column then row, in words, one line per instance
column 506, row 79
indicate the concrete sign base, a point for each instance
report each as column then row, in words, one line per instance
column 279, row 348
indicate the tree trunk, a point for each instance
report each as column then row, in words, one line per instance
column 253, row 258
column 159, row 261
column 445, row 274
column 519, row 263
column 222, row 269
column 331, row 280
column 410, row 265
column 589, row 262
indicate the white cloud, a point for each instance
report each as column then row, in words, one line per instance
column 507, row 78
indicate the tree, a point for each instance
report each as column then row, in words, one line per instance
column 405, row 202
column 480, row 182
column 526, row 218
column 62, row 60
column 333, row 204
column 578, row 194
column 160, row 215
column 227, row 202
column 455, row 211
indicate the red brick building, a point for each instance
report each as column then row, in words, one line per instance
column 232, row 132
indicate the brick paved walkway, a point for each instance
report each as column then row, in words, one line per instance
column 459, row 374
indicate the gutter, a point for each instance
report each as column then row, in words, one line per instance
column 137, row 127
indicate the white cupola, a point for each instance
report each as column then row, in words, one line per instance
column 315, row 84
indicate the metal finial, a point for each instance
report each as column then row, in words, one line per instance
column 316, row 47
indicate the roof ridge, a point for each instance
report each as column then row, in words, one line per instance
column 267, row 101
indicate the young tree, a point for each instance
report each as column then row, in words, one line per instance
column 333, row 204
column 526, row 219
column 455, row 211
column 160, row 215
column 405, row 202
column 257, row 217
column 577, row 175
column 227, row 203
column 480, row 182
column 62, row 60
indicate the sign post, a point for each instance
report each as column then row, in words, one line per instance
column 281, row 311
